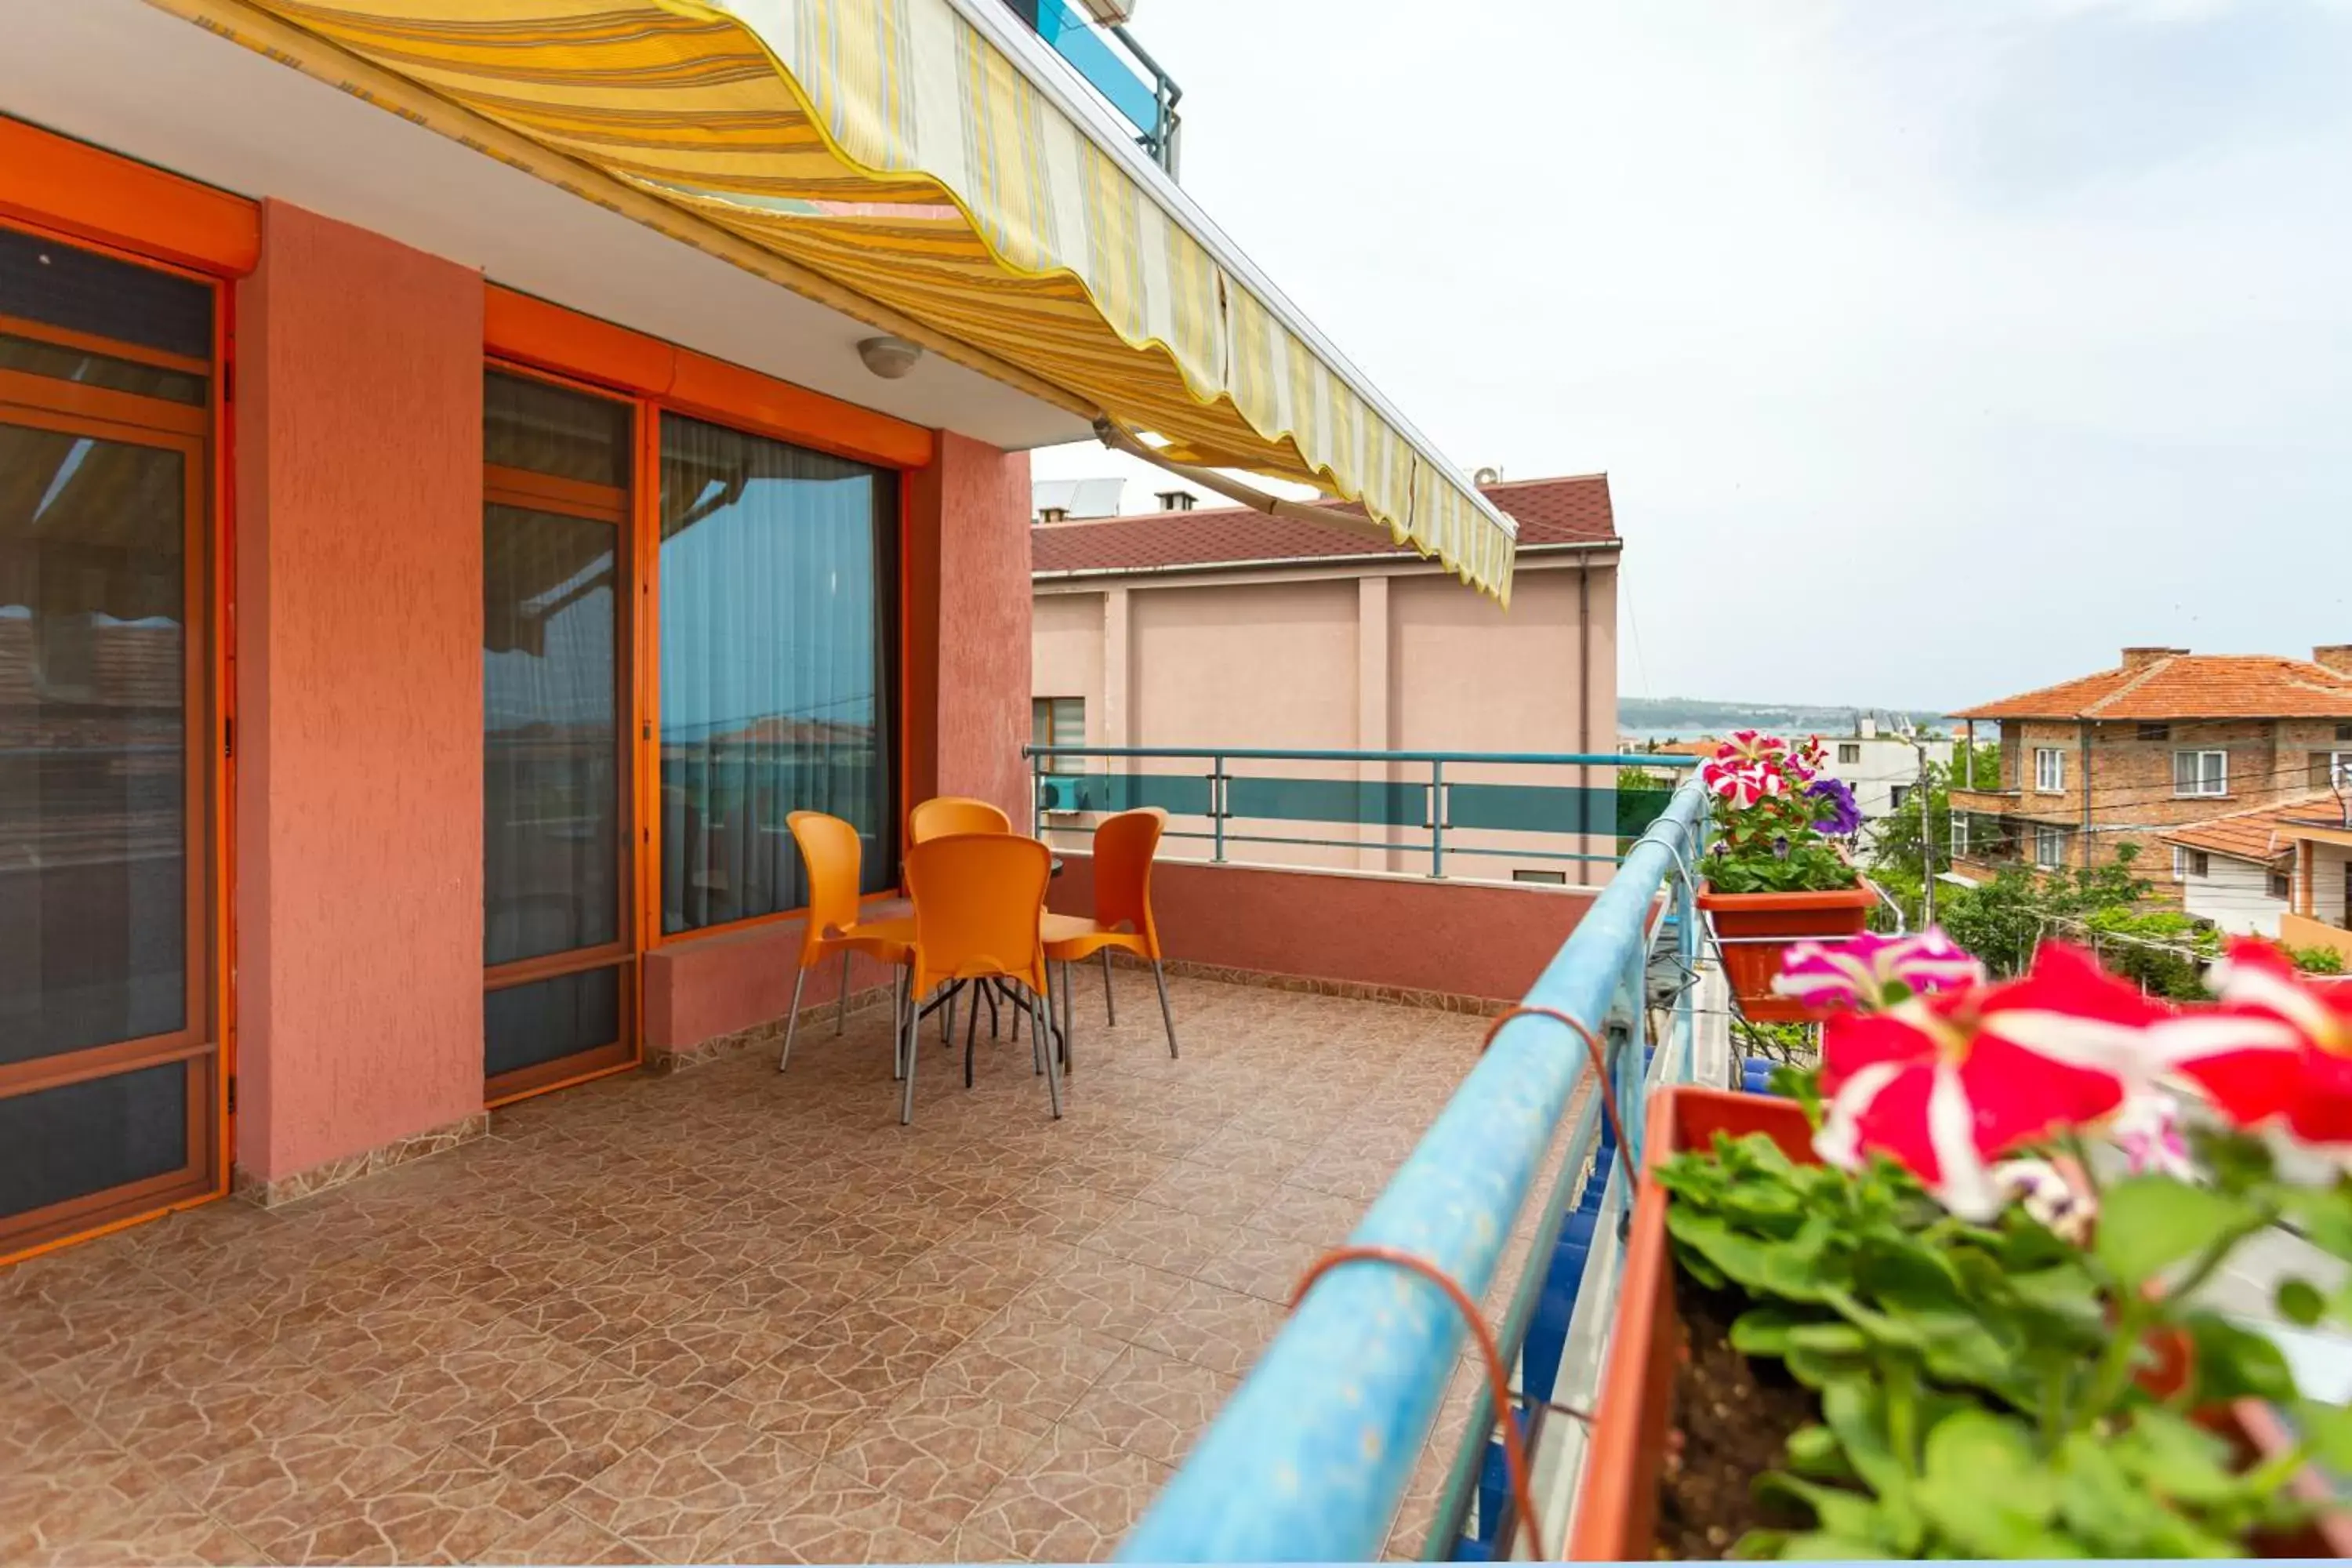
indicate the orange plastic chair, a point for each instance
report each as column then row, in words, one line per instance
column 954, row 814
column 830, row 850
column 1124, row 847
column 977, row 903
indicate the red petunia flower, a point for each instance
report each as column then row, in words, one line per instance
column 2277, row 1047
column 1945, row 1085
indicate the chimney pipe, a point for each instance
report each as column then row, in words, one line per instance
column 2337, row 656
column 2137, row 658
column 1176, row 501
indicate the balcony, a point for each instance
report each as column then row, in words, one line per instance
column 731, row 1314
column 1110, row 60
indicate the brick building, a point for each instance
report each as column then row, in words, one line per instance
column 2165, row 740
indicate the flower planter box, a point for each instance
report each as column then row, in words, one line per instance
column 1616, row 1514
column 1757, row 929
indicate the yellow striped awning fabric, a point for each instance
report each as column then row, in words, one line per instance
column 891, row 147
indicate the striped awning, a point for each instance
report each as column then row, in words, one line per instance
column 912, row 152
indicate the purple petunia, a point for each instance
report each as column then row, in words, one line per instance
column 1840, row 816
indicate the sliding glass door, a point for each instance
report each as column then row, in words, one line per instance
column 777, row 573
column 108, row 1058
column 559, row 958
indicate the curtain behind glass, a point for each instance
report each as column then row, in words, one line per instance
column 775, row 671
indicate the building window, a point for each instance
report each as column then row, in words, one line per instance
column 2049, row 847
column 2049, row 769
column 1546, row 878
column 2155, row 731
column 2344, row 731
column 1059, row 721
column 2201, row 773
column 777, row 579
column 2331, row 769
column 1896, row 795
column 1959, row 833
column 1849, row 753
column 2281, row 887
column 2187, row 863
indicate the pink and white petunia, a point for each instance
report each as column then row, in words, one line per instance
column 2147, row 1130
column 2277, row 1048
column 1743, row 783
column 1873, row 972
column 1946, row 1084
column 1751, row 746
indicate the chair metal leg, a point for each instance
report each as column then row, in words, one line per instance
column 1069, row 1018
column 1052, row 1078
column 902, row 1005
column 947, row 1022
column 1042, row 1040
column 841, row 1009
column 907, row 1098
column 1159, row 978
column 792, row 1021
column 993, row 1028
column 1110, row 1005
column 971, row 1037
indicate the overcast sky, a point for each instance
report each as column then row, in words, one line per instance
column 1933, row 349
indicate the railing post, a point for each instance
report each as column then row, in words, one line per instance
column 1217, row 804
column 1437, row 819
column 1036, row 796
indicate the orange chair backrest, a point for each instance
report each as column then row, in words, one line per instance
column 954, row 814
column 977, row 898
column 1124, row 847
column 832, row 853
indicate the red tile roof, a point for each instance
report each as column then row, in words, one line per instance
column 1549, row 512
column 2188, row 686
column 2245, row 834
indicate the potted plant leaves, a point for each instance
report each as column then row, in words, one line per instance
column 1778, row 872
column 1917, row 1328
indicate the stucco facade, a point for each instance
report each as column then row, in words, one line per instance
column 1384, row 653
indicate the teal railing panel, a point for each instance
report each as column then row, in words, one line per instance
column 1360, row 801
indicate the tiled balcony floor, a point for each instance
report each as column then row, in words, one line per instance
column 728, row 1315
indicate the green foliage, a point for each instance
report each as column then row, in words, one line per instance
column 1977, row 1383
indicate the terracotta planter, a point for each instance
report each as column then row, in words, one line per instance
column 1616, row 1513
column 1747, row 923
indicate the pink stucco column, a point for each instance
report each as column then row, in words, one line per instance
column 359, row 682
column 967, row 571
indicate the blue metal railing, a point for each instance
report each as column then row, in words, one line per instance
column 1237, row 805
column 1147, row 105
column 1308, row 1460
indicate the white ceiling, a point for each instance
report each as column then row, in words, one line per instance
column 132, row 78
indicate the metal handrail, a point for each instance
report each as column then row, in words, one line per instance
column 1309, row 1459
column 1260, row 754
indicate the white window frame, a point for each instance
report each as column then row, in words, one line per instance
column 1849, row 753
column 2202, row 785
column 1960, row 833
column 2280, row 885
column 2188, row 864
column 2339, row 769
column 2049, row 847
column 2049, row 769
column 1046, row 708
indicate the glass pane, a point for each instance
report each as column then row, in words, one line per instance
column 775, row 572
column 551, row 744
column 547, row 1020
column 93, row 807
column 36, row 358
column 60, row 1143
column 555, row 431
column 64, row 286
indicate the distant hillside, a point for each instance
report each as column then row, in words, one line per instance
column 1705, row 716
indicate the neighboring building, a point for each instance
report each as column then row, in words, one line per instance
column 2320, row 878
column 2236, row 870
column 2165, row 740
column 1881, row 769
column 1229, row 628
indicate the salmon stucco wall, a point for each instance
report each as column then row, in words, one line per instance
column 1486, row 940
column 359, row 681
column 967, row 572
